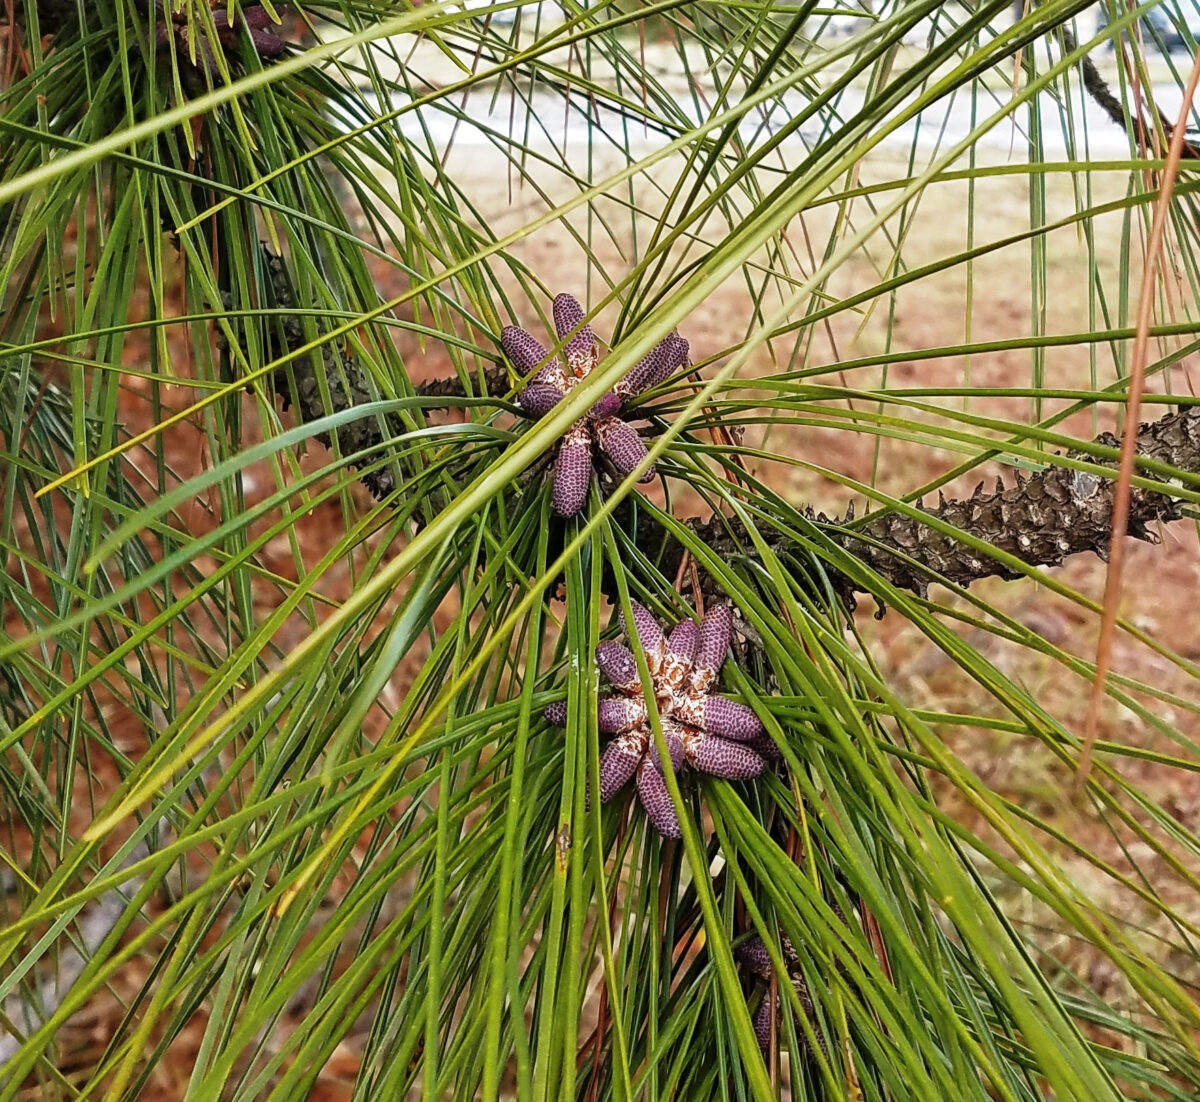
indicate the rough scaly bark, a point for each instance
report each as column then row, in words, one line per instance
column 299, row 381
column 1041, row 520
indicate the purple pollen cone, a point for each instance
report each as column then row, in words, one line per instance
column 728, row 719
column 572, row 471
column 763, row 1017
column 649, row 633
column 764, row 746
column 568, row 314
column 681, row 646
column 754, row 957
column 600, row 427
column 618, row 714
column 681, row 643
column 606, row 407
column 556, row 713
column 663, row 360
column 709, row 733
column 258, row 23
column 656, row 800
column 266, row 44
column 253, row 17
column 522, row 347
column 257, row 18
column 621, row 443
column 538, row 399
column 712, row 646
column 617, row 764
column 616, row 662
column 674, row 749
column 730, row 760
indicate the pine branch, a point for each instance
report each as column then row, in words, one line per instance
column 495, row 378
column 1142, row 130
column 52, row 15
column 300, row 382
column 1041, row 520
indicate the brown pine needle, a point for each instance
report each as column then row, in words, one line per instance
column 1112, row 584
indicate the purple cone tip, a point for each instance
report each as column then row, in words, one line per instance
column 618, row 764
column 754, row 958
column 618, row 714
column 728, row 719
column 681, row 649
column 720, row 758
column 712, row 647
column 663, row 360
column 647, row 630
column 607, row 406
column 580, row 350
column 522, row 348
column 538, row 399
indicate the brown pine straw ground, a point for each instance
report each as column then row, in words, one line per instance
column 1159, row 581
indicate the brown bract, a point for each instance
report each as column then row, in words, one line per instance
column 194, row 45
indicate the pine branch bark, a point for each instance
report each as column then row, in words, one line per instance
column 1141, row 128
column 52, row 15
column 305, row 379
column 302, row 379
column 1040, row 520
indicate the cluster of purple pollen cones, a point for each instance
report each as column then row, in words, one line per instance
column 701, row 729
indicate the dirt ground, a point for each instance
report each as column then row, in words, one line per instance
column 932, row 313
